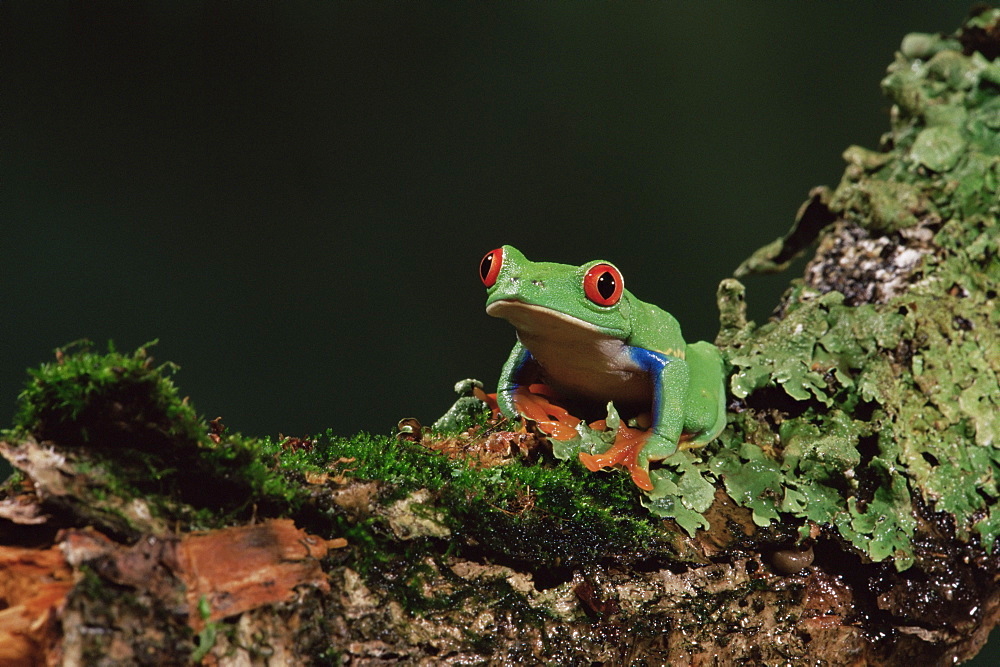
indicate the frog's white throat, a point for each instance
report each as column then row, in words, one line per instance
column 576, row 356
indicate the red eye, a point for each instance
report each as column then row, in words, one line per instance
column 603, row 285
column 489, row 268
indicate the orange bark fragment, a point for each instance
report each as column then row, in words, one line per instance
column 239, row 569
column 33, row 588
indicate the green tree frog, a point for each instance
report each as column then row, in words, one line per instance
column 589, row 341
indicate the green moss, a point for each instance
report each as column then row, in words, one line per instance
column 539, row 513
column 127, row 433
column 111, row 400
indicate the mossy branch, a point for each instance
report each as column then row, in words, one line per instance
column 848, row 513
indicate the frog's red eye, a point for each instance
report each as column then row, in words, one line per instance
column 603, row 285
column 489, row 268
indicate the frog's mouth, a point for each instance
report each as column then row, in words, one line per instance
column 539, row 322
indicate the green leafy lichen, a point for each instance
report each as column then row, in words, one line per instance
column 682, row 491
column 819, row 349
column 885, row 396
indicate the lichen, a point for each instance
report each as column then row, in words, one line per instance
column 878, row 381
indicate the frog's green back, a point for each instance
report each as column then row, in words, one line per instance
column 654, row 328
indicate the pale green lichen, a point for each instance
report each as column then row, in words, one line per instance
column 898, row 397
column 681, row 491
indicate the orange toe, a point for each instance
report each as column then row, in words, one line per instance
column 489, row 399
column 553, row 420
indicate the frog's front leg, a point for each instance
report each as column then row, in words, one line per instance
column 510, row 380
column 671, row 377
column 516, row 396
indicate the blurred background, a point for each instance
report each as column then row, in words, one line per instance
column 294, row 196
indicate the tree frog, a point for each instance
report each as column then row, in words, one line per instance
column 591, row 342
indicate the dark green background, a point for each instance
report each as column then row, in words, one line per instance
column 293, row 196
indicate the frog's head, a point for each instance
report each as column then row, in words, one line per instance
column 525, row 293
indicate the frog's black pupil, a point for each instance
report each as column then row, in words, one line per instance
column 484, row 267
column 606, row 285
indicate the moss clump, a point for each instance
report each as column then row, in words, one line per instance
column 111, row 400
column 549, row 513
column 125, row 432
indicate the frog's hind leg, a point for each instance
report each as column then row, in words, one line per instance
column 705, row 412
column 703, row 438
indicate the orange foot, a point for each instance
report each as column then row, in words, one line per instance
column 553, row 420
column 533, row 403
column 489, row 399
column 625, row 451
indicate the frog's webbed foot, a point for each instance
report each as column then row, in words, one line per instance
column 533, row 403
column 625, row 452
